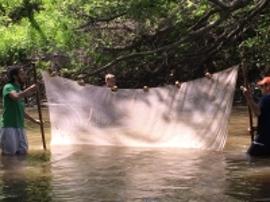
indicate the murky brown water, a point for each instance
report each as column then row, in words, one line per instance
column 142, row 175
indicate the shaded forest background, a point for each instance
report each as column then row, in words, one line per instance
column 143, row 42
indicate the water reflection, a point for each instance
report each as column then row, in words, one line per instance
column 21, row 181
column 122, row 174
column 140, row 175
column 248, row 179
column 86, row 173
column 114, row 174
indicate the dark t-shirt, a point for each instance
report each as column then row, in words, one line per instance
column 264, row 121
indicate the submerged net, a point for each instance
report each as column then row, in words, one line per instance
column 192, row 116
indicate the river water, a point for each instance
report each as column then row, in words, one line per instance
column 115, row 174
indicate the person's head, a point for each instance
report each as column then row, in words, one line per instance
column 265, row 85
column 109, row 80
column 16, row 75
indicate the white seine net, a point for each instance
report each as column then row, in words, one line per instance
column 192, row 116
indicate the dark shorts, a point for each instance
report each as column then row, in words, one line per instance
column 258, row 149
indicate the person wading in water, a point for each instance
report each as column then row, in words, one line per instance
column 12, row 135
column 261, row 144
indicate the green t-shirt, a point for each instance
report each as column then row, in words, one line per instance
column 13, row 111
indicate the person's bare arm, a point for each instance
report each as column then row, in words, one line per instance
column 30, row 118
column 28, row 91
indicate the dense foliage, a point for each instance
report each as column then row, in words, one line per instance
column 144, row 42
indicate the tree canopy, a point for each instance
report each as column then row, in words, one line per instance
column 143, row 42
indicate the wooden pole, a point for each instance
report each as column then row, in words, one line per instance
column 39, row 109
column 250, row 114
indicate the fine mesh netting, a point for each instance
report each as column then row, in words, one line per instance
column 192, row 116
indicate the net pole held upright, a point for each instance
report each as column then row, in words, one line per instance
column 39, row 108
column 244, row 72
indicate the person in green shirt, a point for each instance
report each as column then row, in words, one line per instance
column 13, row 138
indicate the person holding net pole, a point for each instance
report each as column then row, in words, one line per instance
column 13, row 139
column 261, row 144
